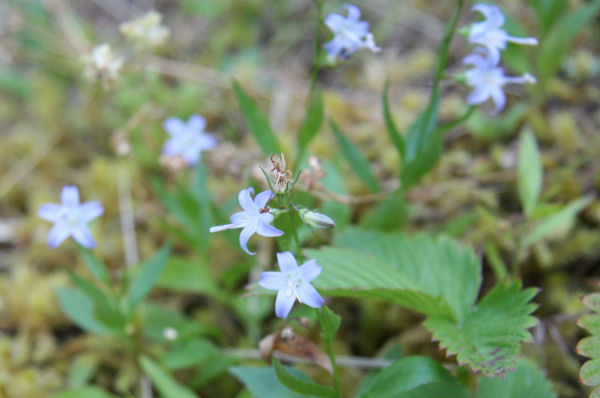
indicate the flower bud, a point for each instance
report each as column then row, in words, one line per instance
column 315, row 219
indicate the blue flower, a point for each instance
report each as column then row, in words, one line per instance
column 350, row 34
column 70, row 218
column 292, row 283
column 488, row 32
column 187, row 139
column 488, row 79
column 255, row 217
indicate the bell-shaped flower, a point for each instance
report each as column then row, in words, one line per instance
column 488, row 32
column 70, row 218
column 487, row 79
column 187, row 139
column 350, row 34
column 292, row 283
column 255, row 218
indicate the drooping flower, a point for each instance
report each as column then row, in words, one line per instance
column 254, row 218
column 488, row 32
column 147, row 31
column 350, row 34
column 292, row 283
column 70, row 218
column 187, row 139
column 487, row 79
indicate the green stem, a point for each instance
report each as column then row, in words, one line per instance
column 296, row 237
column 336, row 375
column 445, row 48
column 314, row 74
column 460, row 120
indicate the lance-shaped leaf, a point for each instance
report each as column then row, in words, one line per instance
column 439, row 278
column 149, row 274
column 312, row 122
column 530, row 171
column 390, row 125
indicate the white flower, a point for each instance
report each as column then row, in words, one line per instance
column 487, row 79
column 488, row 32
column 187, row 139
column 146, row 31
column 292, row 283
column 255, row 217
column 350, row 34
column 102, row 65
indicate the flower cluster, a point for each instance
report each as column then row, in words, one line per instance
column 350, row 35
column 147, row 31
column 102, row 65
column 486, row 76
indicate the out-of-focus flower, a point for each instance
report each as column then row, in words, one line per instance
column 70, row 218
column 315, row 219
column 102, row 65
column 487, row 79
column 488, row 32
column 170, row 333
column 350, row 34
column 292, row 283
column 147, row 31
column 255, row 217
column 187, row 139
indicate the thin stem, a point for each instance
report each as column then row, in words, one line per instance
column 336, row 376
column 445, row 48
column 296, row 237
column 314, row 74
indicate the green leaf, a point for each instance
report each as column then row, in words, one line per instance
column 330, row 323
column 157, row 318
column 190, row 353
column 525, row 381
column 558, row 42
column 390, row 125
column 357, row 161
column 262, row 382
column 589, row 374
column 163, row 381
column 84, row 392
column 96, row 267
column 548, row 11
column 79, row 308
column 148, row 276
column 414, row 377
column 437, row 278
column 312, row 122
column 301, row 386
column 423, row 143
column 82, row 369
column 388, row 215
column 489, row 338
column 257, row 122
column 530, row 171
column 549, row 225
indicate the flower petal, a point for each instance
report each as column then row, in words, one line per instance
column 310, row 270
column 207, row 141
column 287, row 262
column 196, row 123
column 308, row 295
column 264, row 229
column 83, row 236
column 283, row 304
column 499, row 99
column 218, row 228
column 478, row 96
column 353, row 12
column 272, row 280
column 263, row 198
column 50, row 212
column 245, row 235
column 493, row 15
column 334, row 22
column 69, row 196
column 246, row 200
column 59, row 232
column 90, row 210
column 173, row 146
column 174, row 126
column 191, row 154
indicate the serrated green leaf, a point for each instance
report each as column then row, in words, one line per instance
column 84, row 392
column 530, row 171
column 258, row 123
column 550, row 224
column 189, row 353
column 390, row 125
column 592, row 301
column 149, row 274
column 163, row 381
column 301, row 386
column 357, row 161
column 79, row 308
column 414, row 377
column 591, row 323
column 330, row 323
column 525, row 381
column 96, row 267
column 389, row 215
column 558, row 42
column 313, row 120
column 262, row 382
column 589, row 347
column 489, row 338
column 590, row 373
